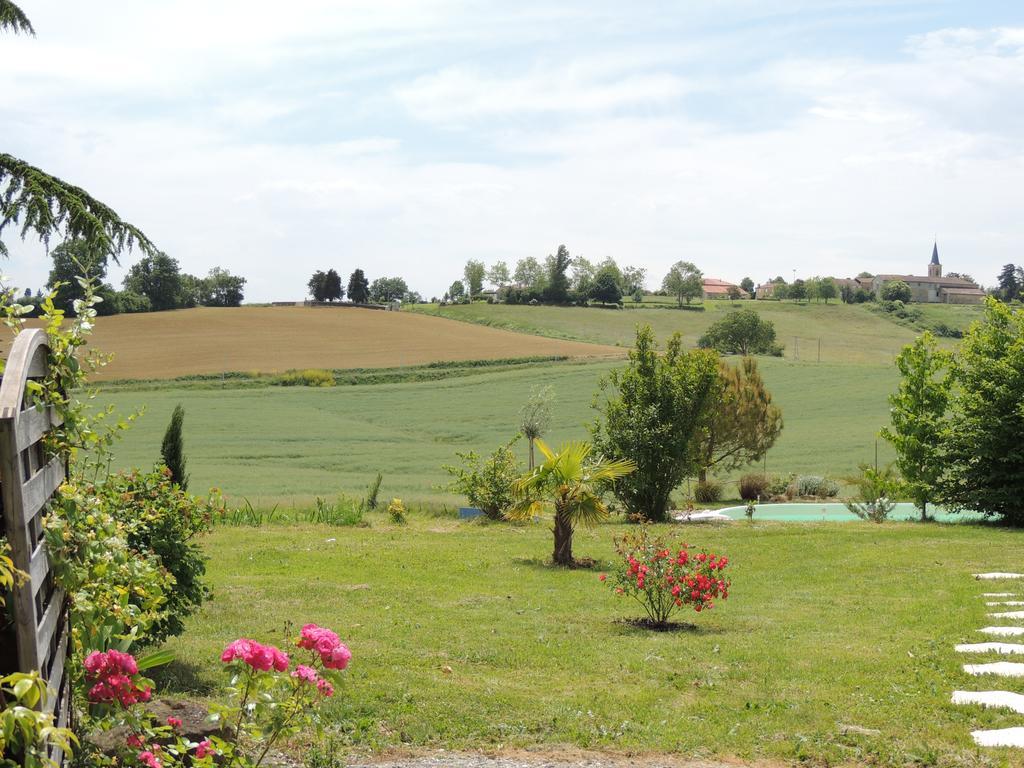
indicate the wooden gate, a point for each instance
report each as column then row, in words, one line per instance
column 28, row 480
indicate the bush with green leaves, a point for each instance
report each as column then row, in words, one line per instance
column 487, row 483
column 27, row 733
column 877, row 490
column 134, row 532
column 343, row 512
column 742, row 332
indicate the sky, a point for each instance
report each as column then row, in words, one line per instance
column 752, row 137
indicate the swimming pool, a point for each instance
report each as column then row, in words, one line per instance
column 834, row 512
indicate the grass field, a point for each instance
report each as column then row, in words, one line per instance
column 845, row 333
column 287, row 445
column 270, row 339
column 463, row 638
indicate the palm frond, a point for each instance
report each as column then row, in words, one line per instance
column 589, row 511
column 525, row 510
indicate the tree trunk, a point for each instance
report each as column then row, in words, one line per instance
column 531, row 454
column 563, row 539
column 702, row 475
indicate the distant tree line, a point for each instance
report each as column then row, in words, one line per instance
column 560, row 279
column 1010, row 283
column 155, row 283
column 326, row 286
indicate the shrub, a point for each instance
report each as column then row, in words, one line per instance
column 753, row 486
column 309, row 377
column 149, row 525
column 269, row 701
column 487, row 484
column 815, row 487
column 896, row 290
column 707, row 492
column 664, row 576
column 876, row 491
column 130, row 302
column 780, row 485
column 396, row 512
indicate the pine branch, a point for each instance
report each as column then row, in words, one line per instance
column 44, row 205
column 13, row 19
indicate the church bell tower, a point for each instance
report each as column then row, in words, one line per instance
column 935, row 268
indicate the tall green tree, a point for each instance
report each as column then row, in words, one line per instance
column 72, row 260
column 633, row 280
column 226, row 290
column 474, row 272
column 684, row 281
column 358, row 287
column 827, row 289
column 570, row 484
column 896, row 290
column 606, row 286
column 983, row 452
column 1010, row 283
column 385, row 289
column 798, row 290
column 529, row 274
column 652, row 411
column 747, row 285
column 172, row 450
column 557, row 289
column 332, row 286
column 918, row 415
column 317, row 285
column 158, row 277
column 498, row 275
column 740, row 422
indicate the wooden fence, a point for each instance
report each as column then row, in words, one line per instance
column 28, row 480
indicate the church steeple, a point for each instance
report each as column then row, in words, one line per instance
column 935, row 268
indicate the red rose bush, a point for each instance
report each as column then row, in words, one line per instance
column 269, row 700
column 665, row 577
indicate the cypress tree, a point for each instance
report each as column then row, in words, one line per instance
column 173, row 448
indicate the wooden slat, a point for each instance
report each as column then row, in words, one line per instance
column 38, row 567
column 32, row 423
column 49, row 623
column 40, row 487
column 57, row 672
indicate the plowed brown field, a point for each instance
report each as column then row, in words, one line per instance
column 271, row 339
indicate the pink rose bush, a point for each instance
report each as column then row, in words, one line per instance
column 269, row 700
column 664, row 578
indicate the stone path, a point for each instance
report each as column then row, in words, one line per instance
column 1011, row 700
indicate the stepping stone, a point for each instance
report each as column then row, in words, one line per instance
column 1004, row 737
column 1001, row 668
column 1006, row 602
column 1008, row 615
column 1003, row 631
column 999, row 575
column 998, row 594
column 1008, row 648
column 994, row 699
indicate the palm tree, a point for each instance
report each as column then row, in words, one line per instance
column 569, row 483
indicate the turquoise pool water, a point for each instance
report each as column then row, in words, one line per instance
column 832, row 512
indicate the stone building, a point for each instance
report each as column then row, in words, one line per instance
column 934, row 289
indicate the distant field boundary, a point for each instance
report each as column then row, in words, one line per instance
column 343, row 376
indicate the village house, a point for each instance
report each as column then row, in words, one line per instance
column 720, row 289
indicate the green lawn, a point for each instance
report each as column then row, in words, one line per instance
column 289, row 444
column 463, row 638
column 845, row 333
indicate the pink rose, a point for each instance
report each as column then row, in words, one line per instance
column 204, row 749
column 303, row 672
